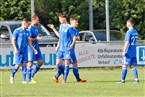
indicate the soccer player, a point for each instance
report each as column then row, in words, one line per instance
column 72, row 29
column 20, row 42
column 34, row 36
column 74, row 23
column 129, row 51
column 65, row 44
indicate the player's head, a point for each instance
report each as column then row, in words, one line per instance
column 35, row 20
column 62, row 18
column 74, row 22
column 130, row 23
column 25, row 23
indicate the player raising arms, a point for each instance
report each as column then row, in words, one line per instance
column 72, row 29
column 34, row 36
column 20, row 42
column 65, row 45
column 129, row 51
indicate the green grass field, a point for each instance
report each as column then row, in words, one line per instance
column 100, row 83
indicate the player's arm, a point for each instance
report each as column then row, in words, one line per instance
column 36, row 39
column 33, row 39
column 30, row 44
column 125, row 47
column 53, row 28
column 56, row 48
column 77, row 35
column 15, row 35
column 73, row 42
column 14, row 45
column 78, row 38
column 127, row 38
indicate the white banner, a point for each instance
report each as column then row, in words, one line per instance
column 88, row 55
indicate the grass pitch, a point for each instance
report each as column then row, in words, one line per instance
column 100, row 83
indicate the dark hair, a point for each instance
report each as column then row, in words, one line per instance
column 131, row 21
column 26, row 20
column 73, row 18
column 63, row 15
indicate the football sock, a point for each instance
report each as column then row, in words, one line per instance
column 14, row 70
column 66, row 71
column 124, row 73
column 24, row 70
column 29, row 73
column 60, row 71
column 35, row 70
column 135, row 73
column 76, row 73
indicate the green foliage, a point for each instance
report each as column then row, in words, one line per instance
column 121, row 10
column 48, row 11
column 14, row 9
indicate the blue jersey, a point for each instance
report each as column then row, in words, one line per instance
column 75, row 31
column 131, row 37
column 33, row 32
column 65, row 37
column 21, row 37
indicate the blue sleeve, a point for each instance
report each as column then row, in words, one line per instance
column 30, row 32
column 127, row 37
column 77, row 33
column 72, row 32
column 15, row 33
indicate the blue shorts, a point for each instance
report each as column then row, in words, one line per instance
column 73, row 56
column 32, row 56
column 21, row 58
column 127, row 60
column 63, row 55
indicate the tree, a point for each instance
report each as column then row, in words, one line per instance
column 14, row 9
column 48, row 10
column 126, row 9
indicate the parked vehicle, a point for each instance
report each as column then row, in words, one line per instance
column 7, row 28
column 100, row 36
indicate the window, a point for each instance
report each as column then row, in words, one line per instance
column 89, row 37
column 4, row 33
column 81, row 36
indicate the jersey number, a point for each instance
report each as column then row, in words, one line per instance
column 133, row 40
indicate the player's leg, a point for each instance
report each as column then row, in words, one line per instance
column 58, row 63
column 67, row 58
column 124, row 73
column 66, row 69
column 38, row 57
column 24, row 67
column 134, row 70
column 76, row 72
column 14, row 70
column 29, row 68
column 31, row 58
column 125, row 61
column 24, row 71
column 75, row 67
column 59, row 66
column 60, row 70
column 17, row 61
column 37, row 67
